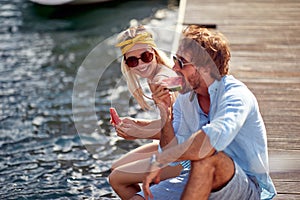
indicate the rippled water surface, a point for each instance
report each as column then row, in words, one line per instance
column 42, row 155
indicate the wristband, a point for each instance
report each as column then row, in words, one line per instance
column 154, row 162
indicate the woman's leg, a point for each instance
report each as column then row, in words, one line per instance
column 125, row 179
column 139, row 153
column 116, row 178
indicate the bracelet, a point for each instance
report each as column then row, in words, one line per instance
column 154, row 162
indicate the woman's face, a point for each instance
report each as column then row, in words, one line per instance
column 141, row 56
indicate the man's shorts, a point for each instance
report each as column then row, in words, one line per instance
column 239, row 187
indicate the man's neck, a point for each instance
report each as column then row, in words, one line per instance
column 204, row 102
column 204, row 97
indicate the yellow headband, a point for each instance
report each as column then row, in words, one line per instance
column 144, row 38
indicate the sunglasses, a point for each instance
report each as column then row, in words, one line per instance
column 133, row 61
column 180, row 62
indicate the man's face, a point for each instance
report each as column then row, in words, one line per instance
column 193, row 80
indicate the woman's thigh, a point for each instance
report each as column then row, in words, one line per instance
column 139, row 153
column 134, row 172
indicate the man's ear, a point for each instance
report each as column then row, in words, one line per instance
column 204, row 70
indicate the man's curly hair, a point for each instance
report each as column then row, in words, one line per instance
column 214, row 43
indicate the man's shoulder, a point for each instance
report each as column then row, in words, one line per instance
column 230, row 80
column 231, row 83
column 236, row 89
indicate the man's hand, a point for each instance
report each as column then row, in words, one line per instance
column 153, row 176
column 161, row 95
column 163, row 99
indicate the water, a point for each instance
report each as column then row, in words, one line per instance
column 42, row 153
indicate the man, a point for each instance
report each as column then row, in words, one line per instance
column 228, row 144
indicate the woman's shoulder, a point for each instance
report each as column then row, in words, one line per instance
column 163, row 68
column 164, row 72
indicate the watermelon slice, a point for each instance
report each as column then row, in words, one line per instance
column 114, row 116
column 173, row 83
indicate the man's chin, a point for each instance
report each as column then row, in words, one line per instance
column 186, row 87
column 185, row 90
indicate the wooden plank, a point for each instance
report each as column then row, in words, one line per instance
column 287, row 197
column 265, row 45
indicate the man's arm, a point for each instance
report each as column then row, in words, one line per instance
column 195, row 148
column 164, row 100
column 167, row 138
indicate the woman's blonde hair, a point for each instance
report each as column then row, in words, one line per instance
column 133, row 82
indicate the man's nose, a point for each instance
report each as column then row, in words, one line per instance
column 176, row 67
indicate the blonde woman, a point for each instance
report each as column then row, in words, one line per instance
column 141, row 58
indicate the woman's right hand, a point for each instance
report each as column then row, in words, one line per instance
column 131, row 129
column 126, row 129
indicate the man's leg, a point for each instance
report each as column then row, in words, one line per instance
column 170, row 189
column 207, row 175
column 137, row 197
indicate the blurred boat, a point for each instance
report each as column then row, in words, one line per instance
column 66, row 2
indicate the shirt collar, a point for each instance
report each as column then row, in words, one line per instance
column 213, row 88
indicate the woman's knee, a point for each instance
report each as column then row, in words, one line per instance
column 113, row 166
column 113, row 178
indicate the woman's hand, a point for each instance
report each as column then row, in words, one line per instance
column 131, row 129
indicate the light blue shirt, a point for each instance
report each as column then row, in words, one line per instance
column 234, row 125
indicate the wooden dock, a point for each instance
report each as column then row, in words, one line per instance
column 265, row 42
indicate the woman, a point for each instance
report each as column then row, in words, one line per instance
column 141, row 58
